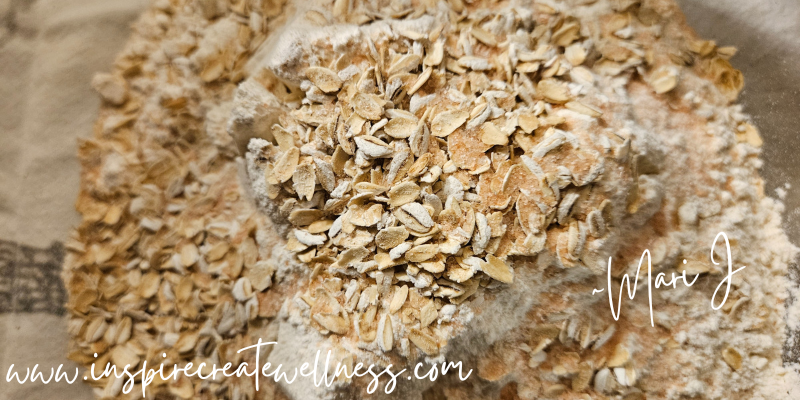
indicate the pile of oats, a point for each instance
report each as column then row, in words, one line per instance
column 425, row 157
column 428, row 180
column 166, row 259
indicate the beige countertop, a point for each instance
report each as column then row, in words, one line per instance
column 767, row 34
column 49, row 51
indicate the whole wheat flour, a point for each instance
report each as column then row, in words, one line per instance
column 428, row 181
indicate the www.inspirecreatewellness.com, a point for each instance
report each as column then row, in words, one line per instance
column 127, row 378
